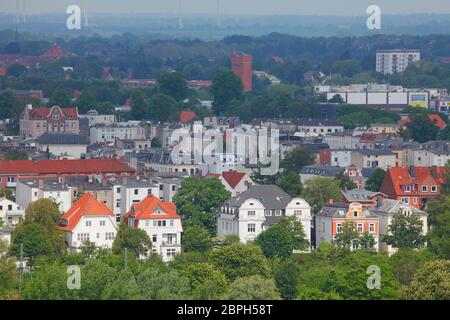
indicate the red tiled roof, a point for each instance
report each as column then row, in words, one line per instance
column 22, row 167
column 187, row 116
column 148, row 208
column 55, row 52
column 233, row 178
column 432, row 117
column 41, row 113
column 401, row 176
column 87, row 205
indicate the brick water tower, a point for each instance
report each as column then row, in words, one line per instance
column 241, row 64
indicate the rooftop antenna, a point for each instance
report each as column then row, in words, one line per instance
column 24, row 16
column 86, row 16
column 17, row 19
column 219, row 24
column 180, row 21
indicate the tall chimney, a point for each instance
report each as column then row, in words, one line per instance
column 412, row 171
column 434, row 171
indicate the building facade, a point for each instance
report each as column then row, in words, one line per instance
column 241, row 65
column 395, row 61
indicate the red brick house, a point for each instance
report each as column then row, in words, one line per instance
column 413, row 185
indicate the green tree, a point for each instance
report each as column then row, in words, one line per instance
column 287, row 278
column 60, row 98
column 124, row 287
column 36, row 240
column 347, row 68
column 344, row 182
column 375, row 180
column 405, row 232
column 174, row 84
column 431, row 282
column 253, row 288
column 10, row 106
column 439, row 218
column 196, row 238
column 319, row 190
column 206, row 281
column 275, row 242
column 290, row 183
column 240, row 260
column 297, row 159
column 199, row 200
column 163, row 285
column 422, row 129
column 226, row 88
column 43, row 212
column 348, row 236
column 163, row 107
column 16, row 155
column 9, row 276
column 366, row 241
column 135, row 240
column 85, row 102
column 296, row 230
column 406, row 262
column 139, row 108
column 7, row 193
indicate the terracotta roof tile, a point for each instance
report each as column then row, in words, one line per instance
column 148, row 208
column 87, row 205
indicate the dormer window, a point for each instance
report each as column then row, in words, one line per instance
column 407, row 188
column 355, row 213
column 434, row 189
column 424, row 189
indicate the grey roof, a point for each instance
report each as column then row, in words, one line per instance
column 359, row 195
column 61, row 138
column 375, row 152
column 390, row 206
column 137, row 183
column 271, row 196
column 324, row 171
column 339, row 210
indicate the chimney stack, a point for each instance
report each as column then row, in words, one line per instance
column 412, row 171
column 434, row 171
column 379, row 201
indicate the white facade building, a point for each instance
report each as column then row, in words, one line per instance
column 255, row 210
column 161, row 222
column 121, row 130
column 10, row 212
column 30, row 191
column 88, row 220
column 395, row 61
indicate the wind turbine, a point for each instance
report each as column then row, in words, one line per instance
column 219, row 24
column 86, row 17
column 180, row 20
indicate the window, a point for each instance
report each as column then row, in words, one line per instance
column 355, row 213
column 433, row 188
column 149, row 191
column 161, row 187
column 415, row 200
column 267, row 212
column 170, row 253
column 407, row 188
column 118, row 190
column 88, row 223
column 154, row 238
column 372, row 227
column 251, row 213
column 360, row 227
column 82, row 237
column 405, row 200
column 9, row 207
column 173, row 188
column 338, row 227
column 424, row 189
column 136, row 191
column 147, row 223
column 251, row 227
column 102, row 223
column 278, row 212
column 298, row 212
column 171, row 222
column 109, row 236
column 161, row 223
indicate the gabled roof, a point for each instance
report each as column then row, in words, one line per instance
column 402, row 176
column 360, row 195
column 435, row 118
column 271, row 196
column 153, row 208
column 390, row 207
column 187, row 116
column 233, row 178
column 87, row 205
column 43, row 113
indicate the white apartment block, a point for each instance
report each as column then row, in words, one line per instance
column 395, row 61
column 123, row 131
column 10, row 212
column 30, row 191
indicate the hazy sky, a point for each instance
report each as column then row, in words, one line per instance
column 305, row 7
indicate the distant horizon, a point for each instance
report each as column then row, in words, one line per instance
column 233, row 7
